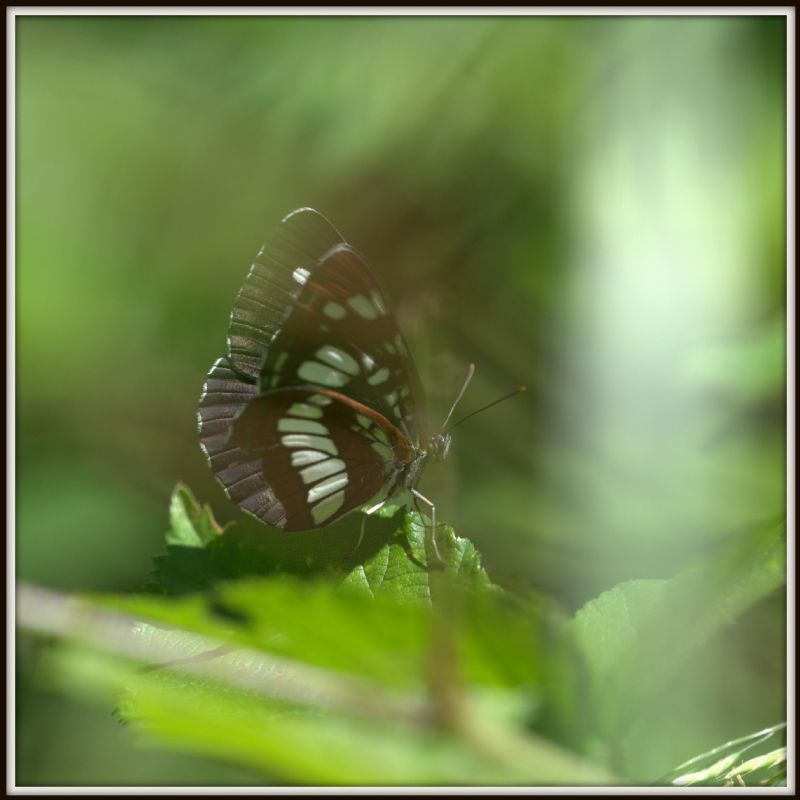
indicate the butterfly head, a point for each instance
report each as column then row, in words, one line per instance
column 439, row 446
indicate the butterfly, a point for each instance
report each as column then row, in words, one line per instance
column 316, row 410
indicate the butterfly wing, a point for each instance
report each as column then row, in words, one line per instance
column 319, row 453
column 273, row 284
column 309, row 319
column 225, row 395
column 342, row 335
column 269, row 451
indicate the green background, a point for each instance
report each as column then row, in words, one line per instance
column 594, row 208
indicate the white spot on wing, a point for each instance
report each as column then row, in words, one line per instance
column 327, row 507
column 289, row 425
column 301, row 458
column 301, row 275
column 314, row 372
column 334, row 310
column 305, row 410
column 380, row 434
column 307, row 441
column 335, row 357
column 326, row 487
column 383, row 451
column 322, row 470
column 379, row 377
column 362, row 306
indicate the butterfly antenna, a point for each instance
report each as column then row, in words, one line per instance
column 518, row 390
column 470, row 373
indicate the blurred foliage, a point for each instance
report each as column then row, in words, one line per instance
column 594, row 207
column 398, row 671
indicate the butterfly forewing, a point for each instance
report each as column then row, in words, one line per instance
column 273, row 284
column 341, row 334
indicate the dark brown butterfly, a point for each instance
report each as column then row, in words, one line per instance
column 316, row 410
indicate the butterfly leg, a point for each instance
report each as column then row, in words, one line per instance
column 432, row 507
column 366, row 513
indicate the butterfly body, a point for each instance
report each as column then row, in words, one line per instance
column 316, row 409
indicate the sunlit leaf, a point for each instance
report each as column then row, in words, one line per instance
column 734, row 763
column 400, row 570
column 190, row 524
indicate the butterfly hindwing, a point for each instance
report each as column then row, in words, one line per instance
column 225, row 396
column 321, row 454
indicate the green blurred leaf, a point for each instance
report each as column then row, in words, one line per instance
column 317, row 711
column 308, row 746
column 636, row 636
column 329, row 625
column 744, row 371
column 608, row 627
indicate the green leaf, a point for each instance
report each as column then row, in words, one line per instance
column 310, row 746
column 331, row 625
column 390, row 562
column 635, row 637
column 190, row 524
column 313, row 685
column 400, row 569
column 608, row 628
column 250, row 547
